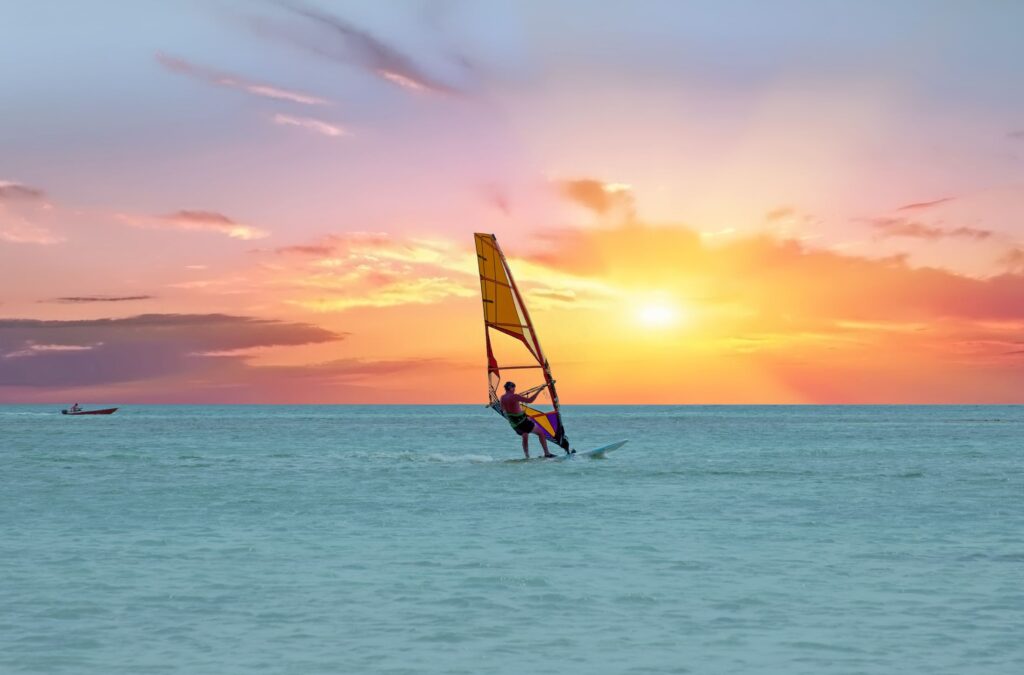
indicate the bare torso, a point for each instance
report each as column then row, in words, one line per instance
column 510, row 403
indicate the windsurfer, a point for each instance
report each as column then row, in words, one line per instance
column 521, row 423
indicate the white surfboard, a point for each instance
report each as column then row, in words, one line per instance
column 596, row 453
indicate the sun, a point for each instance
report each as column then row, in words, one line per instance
column 658, row 314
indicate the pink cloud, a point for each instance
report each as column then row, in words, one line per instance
column 920, row 206
column 310, row 124
column 196, row 221
column 495, row 196
column 306, row 249
column 24, row 232
column 11, row 191
column 901, row 227
column 1013, row 260
column 22, row 207
column 222, row 79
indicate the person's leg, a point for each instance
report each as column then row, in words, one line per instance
column 526, row 445
column 543, row 441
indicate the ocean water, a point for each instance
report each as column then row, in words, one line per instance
column 377, row 539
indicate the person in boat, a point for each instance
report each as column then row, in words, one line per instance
column 511, row 407
column 76, row 407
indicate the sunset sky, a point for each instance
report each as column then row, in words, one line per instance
column 703, row 202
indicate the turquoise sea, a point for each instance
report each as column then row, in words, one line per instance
column 399, row 539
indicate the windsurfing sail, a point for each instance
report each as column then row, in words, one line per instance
column 521, row 358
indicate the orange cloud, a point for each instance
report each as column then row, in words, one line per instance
column 1013, row 260
column 780, row 213
column 768, row 319
column 601, row 198
column 781, row 284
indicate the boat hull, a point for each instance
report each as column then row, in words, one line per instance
column 104, row 411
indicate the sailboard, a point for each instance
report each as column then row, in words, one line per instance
column 596, row 453
column 513, row 346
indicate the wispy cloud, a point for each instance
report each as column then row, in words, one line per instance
column 350, row 44
column 34, row 349
column 222, row 79
column 495, row 196
column 375, row 269
column 310, row 124
column 786, row 222
column 383, row 291
column 11, row 191
column 780, row 213
column 321, row 250
column 195, row 221
column 22, row 207
column 24, row 232
column 370, row 269
column 80, row 299
column 212, row 221
column 555, row 296
column 920, row 206
column 1013, row 260
column 901, row 227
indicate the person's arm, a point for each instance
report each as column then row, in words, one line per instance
column 530, row 399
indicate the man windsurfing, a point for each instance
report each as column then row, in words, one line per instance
column 521, row 423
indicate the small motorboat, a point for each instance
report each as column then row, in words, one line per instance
column 104, row 411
